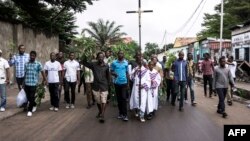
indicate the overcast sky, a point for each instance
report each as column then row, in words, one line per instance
column 168, row 15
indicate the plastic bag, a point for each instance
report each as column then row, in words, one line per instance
column 21, row 98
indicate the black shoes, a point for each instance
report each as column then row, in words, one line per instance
column 224, row 115
column 193, row 103
column 101, row 119
column 173, row 104
column 88, row 107
column 181, row 109
column 219, row 112
column 149, row 116
column 230, row 103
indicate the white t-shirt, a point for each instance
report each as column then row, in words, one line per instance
column 3, row 66
column 71, row 68
column 53, row 68
column 232, row 68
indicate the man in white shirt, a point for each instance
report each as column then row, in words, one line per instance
column 232, row 67
column 53, row 72
column 72, row 75
column 4, row 79
column 107, row 57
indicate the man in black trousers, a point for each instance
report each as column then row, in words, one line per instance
column 119, row 69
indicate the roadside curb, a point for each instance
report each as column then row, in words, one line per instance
column 14, row 111
column 235, row 97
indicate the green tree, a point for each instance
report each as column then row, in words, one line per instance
column 84, row 47
column 129, row 49
column 150, row 48
column 105, row 33
column 50, row 16
column 167, row 46
column 170, row 60
column 235, row 12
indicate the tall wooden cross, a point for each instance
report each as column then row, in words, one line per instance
column 139, row 17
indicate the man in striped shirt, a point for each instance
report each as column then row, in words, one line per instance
column 19, row 61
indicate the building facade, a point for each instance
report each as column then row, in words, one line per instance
column 241, row 42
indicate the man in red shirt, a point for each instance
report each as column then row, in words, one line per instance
column 207, row 68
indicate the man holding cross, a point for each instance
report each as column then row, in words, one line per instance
column 140, row 90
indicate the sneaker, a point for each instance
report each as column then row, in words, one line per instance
column 67, row 106
column 29, row 114
column 186, row 101
column 101, row 119
column 120, row 117
column 2, row 109
column 56, row 109
column 150, row 116
column 136, row 115
column 125, row 118
column 34, row 109
column 194, row 103
column 224, row 115
column 72, row 106
column 142, row 119
column 230, row 103
column 51, row 108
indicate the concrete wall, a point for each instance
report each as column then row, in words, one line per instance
column 12, row 35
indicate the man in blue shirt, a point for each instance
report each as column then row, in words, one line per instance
column 31, row 80
column 19, row 61
column 180, row 78
column 119, row 69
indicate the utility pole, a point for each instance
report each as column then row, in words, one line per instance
column 221, row 26
column 139, row 18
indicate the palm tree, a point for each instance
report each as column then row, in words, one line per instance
column 105, row 33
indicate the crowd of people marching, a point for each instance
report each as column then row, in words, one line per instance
column 135, row 82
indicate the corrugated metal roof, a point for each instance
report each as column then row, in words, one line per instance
column 182, row 41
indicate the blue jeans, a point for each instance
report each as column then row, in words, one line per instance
column 190, row 84
column 3, row 95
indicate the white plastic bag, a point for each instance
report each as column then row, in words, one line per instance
column 21, row 98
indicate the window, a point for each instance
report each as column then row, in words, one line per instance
column 237, row 54
column 246, row 54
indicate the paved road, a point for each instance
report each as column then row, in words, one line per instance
column 199, row 123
